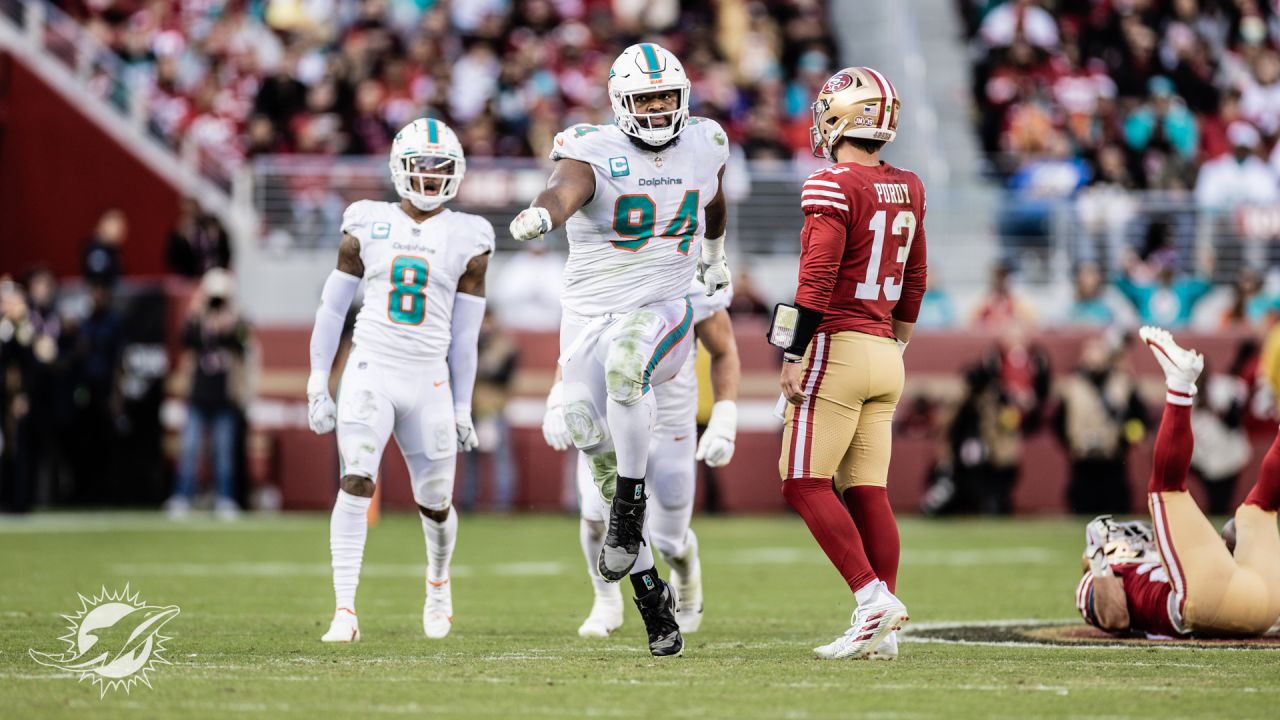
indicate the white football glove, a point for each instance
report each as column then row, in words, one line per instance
column 554, row 429
column 717, row 443
column 714, row 276
column 467, row 440
column 321, row 412
column 531, row 223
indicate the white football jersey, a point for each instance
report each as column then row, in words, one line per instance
column 678, row 397
column 411, row 274
column 639, row 238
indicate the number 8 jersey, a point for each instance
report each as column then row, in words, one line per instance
column 862, row 257
column 638, row 239
column 411, row 273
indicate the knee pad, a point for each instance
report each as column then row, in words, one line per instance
column 626, row 364
column 604, row 472
column 432, row 482
column 594, row 528
column 586, row 429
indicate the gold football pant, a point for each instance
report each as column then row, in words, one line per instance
column 1218, row 594
column 844, row 429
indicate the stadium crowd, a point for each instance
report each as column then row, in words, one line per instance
column 1080, row 104
column 244, row 78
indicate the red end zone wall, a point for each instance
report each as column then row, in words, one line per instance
column 59, row 172
column 305, row 466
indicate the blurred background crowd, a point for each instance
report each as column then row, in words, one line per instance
column 1135, row 145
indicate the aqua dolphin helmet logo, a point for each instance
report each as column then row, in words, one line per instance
column 113, row 641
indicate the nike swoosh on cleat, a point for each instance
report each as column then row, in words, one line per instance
column 678, row 438
column 440, row 382
column 1153, row 344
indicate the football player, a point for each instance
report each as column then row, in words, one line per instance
column 644, row 210
column 672, row 467
column 412, row 365
column 862, row 275
column 1182, row 579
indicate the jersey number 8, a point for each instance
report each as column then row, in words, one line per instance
column 869, row 288
column 407, row 303
column 635, row 218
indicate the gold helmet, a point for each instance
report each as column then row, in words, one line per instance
column 856, row 102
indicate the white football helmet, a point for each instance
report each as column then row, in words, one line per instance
column 427, row 163
column 641, row 69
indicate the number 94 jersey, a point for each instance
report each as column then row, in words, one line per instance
column 411, row 273
column 638, row 239
column 862, row 256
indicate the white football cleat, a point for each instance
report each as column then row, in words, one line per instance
column 344, row 628
column 686, row 576
column 888, row 649
column 606, row 615
column 437, row 611
column 872, row 622
column 1181, row 367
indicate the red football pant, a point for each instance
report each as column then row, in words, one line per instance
column 1266, row 491
column 869, row 507
column 1172, row 458
column 831, row 525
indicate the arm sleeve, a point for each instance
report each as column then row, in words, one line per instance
column 821, row 247
column 335, row 299
column 914, row 275
column 468, row 313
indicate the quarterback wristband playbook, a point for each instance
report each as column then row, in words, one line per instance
column 792, row 328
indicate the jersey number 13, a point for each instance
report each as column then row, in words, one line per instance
column 903, row 223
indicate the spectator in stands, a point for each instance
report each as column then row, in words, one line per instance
column 1099, row 416
column 1163, row 123
column 197, row 243
column 213, row 370
column 1222, row 447
column 46, row 383
column 1090, row 306
column 495, row 372
column 1106, row 209
column 17, row 360
column 1019, row 20
column 937, row 310
column 1047, row 178
column 100, row 261
column 1239, row 178
column 1002, row 306
column 747, row 300
column 526, row 288
column 1248, row 304
column 1159, row 294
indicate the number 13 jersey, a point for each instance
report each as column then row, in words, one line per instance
column 638, row 239
column 862, row 256
column 411, row 273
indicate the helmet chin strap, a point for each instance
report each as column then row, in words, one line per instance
column 422, row 202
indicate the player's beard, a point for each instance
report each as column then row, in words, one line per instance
column 642, row 145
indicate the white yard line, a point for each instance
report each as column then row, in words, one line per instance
column 289, row 569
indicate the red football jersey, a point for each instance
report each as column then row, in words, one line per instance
column 1146, row 592
column 862, row 257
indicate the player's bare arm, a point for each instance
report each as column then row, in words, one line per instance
column 716, row 446
column 716, row 335
column 472, row 281
column 571, row 185
column 1109, row 604
column 349, row 260
column 713, row 271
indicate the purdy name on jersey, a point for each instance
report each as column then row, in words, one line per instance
column 638, row 239
column 411, row 273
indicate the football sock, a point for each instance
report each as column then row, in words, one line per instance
column 645, row 582
column 863, row 594
column 869, row 507
column 441, row 537
column 831, row 525
column 348, row 528
column 630, row 489
column 591, row 537
column 670, row 529
column 1266, row 492
column 1174, row 442
column 632, row 428
column 644, row 561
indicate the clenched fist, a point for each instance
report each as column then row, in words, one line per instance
column 531, row 223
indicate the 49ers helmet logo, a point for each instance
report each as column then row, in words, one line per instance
column 838, row 82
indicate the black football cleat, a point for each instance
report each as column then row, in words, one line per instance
column 622, row 541
column 658, row 610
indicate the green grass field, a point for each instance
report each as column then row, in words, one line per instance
column 256, row 596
